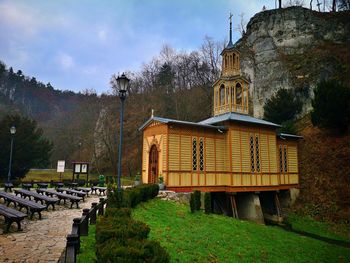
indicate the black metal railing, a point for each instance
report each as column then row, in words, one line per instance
column 80, row 227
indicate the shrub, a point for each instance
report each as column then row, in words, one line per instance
column 121, row 229
column 119, row 238
column 207, row 203
column 115, row 197
column 118, row 212
column 197, row 200
column 331, row 106
column 133, row 251
column 192, row 205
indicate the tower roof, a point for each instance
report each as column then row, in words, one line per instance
column 230, row 43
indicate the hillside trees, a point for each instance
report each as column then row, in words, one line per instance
column 30, row 148
column 282, row 108
column 331, row 106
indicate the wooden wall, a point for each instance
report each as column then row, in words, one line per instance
column 227, row 157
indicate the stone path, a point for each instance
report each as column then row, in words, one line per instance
column 41, row 240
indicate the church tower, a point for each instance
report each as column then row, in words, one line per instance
column 231, row 90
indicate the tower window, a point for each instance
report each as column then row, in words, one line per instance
column 222, row 94
column 238, row 94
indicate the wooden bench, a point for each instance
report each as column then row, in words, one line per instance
column 37, row 197
column 61, row 196
column 101, row 190
column 11, row 215
column 30, row 206
column 72, row 192
column 84, row 189
column 8, row 186
column 42, row 185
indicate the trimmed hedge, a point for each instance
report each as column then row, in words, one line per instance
column 119, row 238
column 207, row 203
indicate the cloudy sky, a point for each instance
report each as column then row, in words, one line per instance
column 79, row 44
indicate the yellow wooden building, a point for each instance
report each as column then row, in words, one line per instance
column 229, row 152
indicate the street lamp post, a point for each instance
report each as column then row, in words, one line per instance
column 12, row 131
column 122, row 82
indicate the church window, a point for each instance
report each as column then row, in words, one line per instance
column 257, row 153
column 281, row 159
column 285, row 161
column 238, row 94
column 252, row 161
column 194, row 154
column 233, row 60
column 222, row 94
column 225, row 61
column 201, row 154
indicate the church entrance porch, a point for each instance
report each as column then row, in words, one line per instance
column 153, row 165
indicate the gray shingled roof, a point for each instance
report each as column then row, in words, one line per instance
column 237, row 117
column 287, row 135
column 166, row 120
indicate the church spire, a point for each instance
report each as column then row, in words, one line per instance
column 230, row 44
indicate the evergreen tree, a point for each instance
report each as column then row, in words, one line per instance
column 331, row 106
column 283, row 106
column 30, row 148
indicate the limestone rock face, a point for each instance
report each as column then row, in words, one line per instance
column 293, row 48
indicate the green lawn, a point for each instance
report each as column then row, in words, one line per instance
column 46, row 175
column 214, row 238
column 87, row 247
column 324, row 229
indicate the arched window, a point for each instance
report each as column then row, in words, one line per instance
column 238, row 94
column 225, row 61
column 222, row 94
column 233, row 60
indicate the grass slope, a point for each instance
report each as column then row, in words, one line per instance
column 213, row 238
column 87, row 247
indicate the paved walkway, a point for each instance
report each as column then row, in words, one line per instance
column 41, row 240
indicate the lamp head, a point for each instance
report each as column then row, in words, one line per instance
column 123, row 83
column 13, row 130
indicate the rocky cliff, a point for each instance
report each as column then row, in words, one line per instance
column 294, row 48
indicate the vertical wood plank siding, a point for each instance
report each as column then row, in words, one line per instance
column 227, row 158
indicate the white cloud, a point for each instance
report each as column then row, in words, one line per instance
column 102, row 35
column 65, row 61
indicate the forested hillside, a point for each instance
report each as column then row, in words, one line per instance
column 85, row 126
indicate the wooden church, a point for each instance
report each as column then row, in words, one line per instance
column 230, row 152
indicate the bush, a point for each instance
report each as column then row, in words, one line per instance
column 283, row 106
column 133, row 251
column 131, row 197
column 197, row 200
column 207, row 203
column 121, row 229
column 114, row 197
column 331, row 106
column 119, row 238
column 192, row 206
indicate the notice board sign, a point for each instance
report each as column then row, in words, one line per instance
column 60, row 166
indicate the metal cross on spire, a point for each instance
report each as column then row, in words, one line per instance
column 230, row 18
